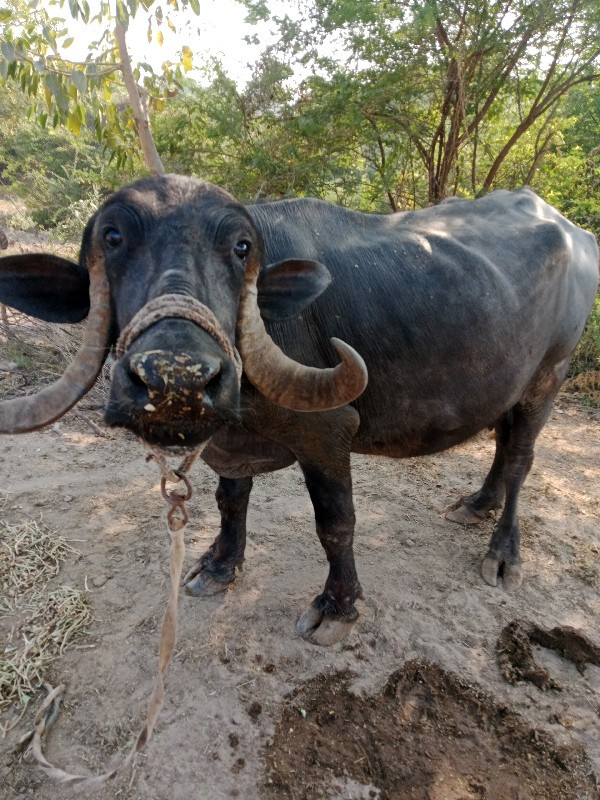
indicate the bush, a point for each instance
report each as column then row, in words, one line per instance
column 587, row 355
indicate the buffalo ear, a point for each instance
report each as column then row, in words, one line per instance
column 45, row 286
column 288, row 287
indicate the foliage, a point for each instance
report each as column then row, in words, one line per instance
column 61, row 177
column 427, row 80
column 91, row 93
column 587, row 355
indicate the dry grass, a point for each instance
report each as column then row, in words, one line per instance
column 29, row 554
column 34, row 354
column 44, row 621
column 586, row 384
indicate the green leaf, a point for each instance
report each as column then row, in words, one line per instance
column 195, row 6
column 78, row 78
column 8, row 50
column 54, row 85
column 122, row 14
column 68, row 42
column 85, row 11
column 74, row 124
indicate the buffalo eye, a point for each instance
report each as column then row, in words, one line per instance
column 112, row 237
column 242, row 248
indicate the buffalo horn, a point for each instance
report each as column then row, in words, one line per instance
column 283, row 380
column 34, row 411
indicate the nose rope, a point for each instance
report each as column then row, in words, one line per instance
column 184, row 307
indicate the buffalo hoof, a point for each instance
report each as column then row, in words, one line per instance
column 492, row 568
column 314, row 626
column 460, row 512
column 199, row 582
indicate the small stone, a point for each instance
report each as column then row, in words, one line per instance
column 68, row 498
column 255, row 710
column 234, row 740
column 99, row 580
column 409, row 543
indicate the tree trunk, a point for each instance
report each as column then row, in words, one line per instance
column 140, row 112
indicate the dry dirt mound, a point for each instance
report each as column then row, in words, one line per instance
column 516, row 659
column 426, row 736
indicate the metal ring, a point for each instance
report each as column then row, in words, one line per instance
column 188, row 486
column 173, row 497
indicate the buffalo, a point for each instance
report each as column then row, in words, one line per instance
column 223, row 318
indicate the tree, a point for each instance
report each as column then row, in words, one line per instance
column 429, row 78
column 92, row 93
column 61, row 177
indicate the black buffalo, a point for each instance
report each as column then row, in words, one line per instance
column 465, row 314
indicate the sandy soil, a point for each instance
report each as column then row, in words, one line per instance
column 241, row 674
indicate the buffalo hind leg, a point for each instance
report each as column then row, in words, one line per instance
column 529, row 416
column 216, row 569
column 331, row 615
column 475, row 507
column 503, row 558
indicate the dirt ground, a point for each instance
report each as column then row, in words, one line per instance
column 413, row 705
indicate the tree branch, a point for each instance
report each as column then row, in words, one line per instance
column 140, row 113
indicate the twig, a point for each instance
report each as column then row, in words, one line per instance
column 98, row 431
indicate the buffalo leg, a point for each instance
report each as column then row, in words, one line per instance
column 215, row 570
column 529, row 415
column 331, row 615
column 475, row 507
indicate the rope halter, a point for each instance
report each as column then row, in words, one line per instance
column 185, row 307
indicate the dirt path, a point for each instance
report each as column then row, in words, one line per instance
column 238, row 680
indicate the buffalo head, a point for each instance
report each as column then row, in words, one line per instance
column 176, row 280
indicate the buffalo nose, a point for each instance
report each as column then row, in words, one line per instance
column 174, row 377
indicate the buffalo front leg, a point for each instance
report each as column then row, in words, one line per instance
column 216, row 569
column 331, row 615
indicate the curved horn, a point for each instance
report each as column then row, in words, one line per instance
column 32, row 412
column 283, row 380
